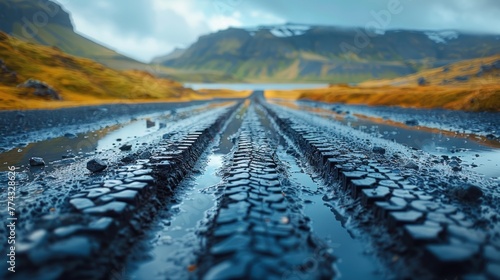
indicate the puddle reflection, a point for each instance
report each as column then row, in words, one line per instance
column 353, row 261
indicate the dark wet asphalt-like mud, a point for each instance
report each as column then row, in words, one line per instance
column 254, row 189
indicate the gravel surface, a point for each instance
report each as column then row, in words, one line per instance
column 247, row 189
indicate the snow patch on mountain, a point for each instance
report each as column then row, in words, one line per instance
column 442, row 36
column 286, row 30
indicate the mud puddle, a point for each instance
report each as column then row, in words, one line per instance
column 474, row 151
column 70, row 145
column 329, row 225
column 482, row 158
column 174, row 243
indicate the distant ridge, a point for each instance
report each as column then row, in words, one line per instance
column 310, row 53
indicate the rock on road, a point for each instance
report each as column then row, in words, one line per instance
column 294, row 195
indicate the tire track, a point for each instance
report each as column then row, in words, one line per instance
column 427, row 233
column 90, row 237
column 170, row 249
column 259, row 231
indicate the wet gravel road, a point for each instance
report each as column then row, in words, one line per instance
column 244, row 189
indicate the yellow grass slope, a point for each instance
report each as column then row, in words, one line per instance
column 448, row 74
column 79, row 81
column 442, row 89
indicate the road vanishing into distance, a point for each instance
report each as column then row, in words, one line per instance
column 249, row 189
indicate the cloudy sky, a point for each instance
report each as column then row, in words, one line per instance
column 148, row 28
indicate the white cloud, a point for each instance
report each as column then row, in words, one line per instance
column 223, row 22
column 140, row 48
column 176, row 24
column 149, row 28
column 193, row 16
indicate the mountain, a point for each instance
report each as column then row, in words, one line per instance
column 177, row 52
column 47, row 23
column 295, row 52
column 37, row 76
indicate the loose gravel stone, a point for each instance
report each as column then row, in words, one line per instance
column 70, row 135
column 468, row 193
column 37, row 161
column 378, row 150
column 412, row 165
column 411, row 122
column 96, row 165
column 126, row 147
